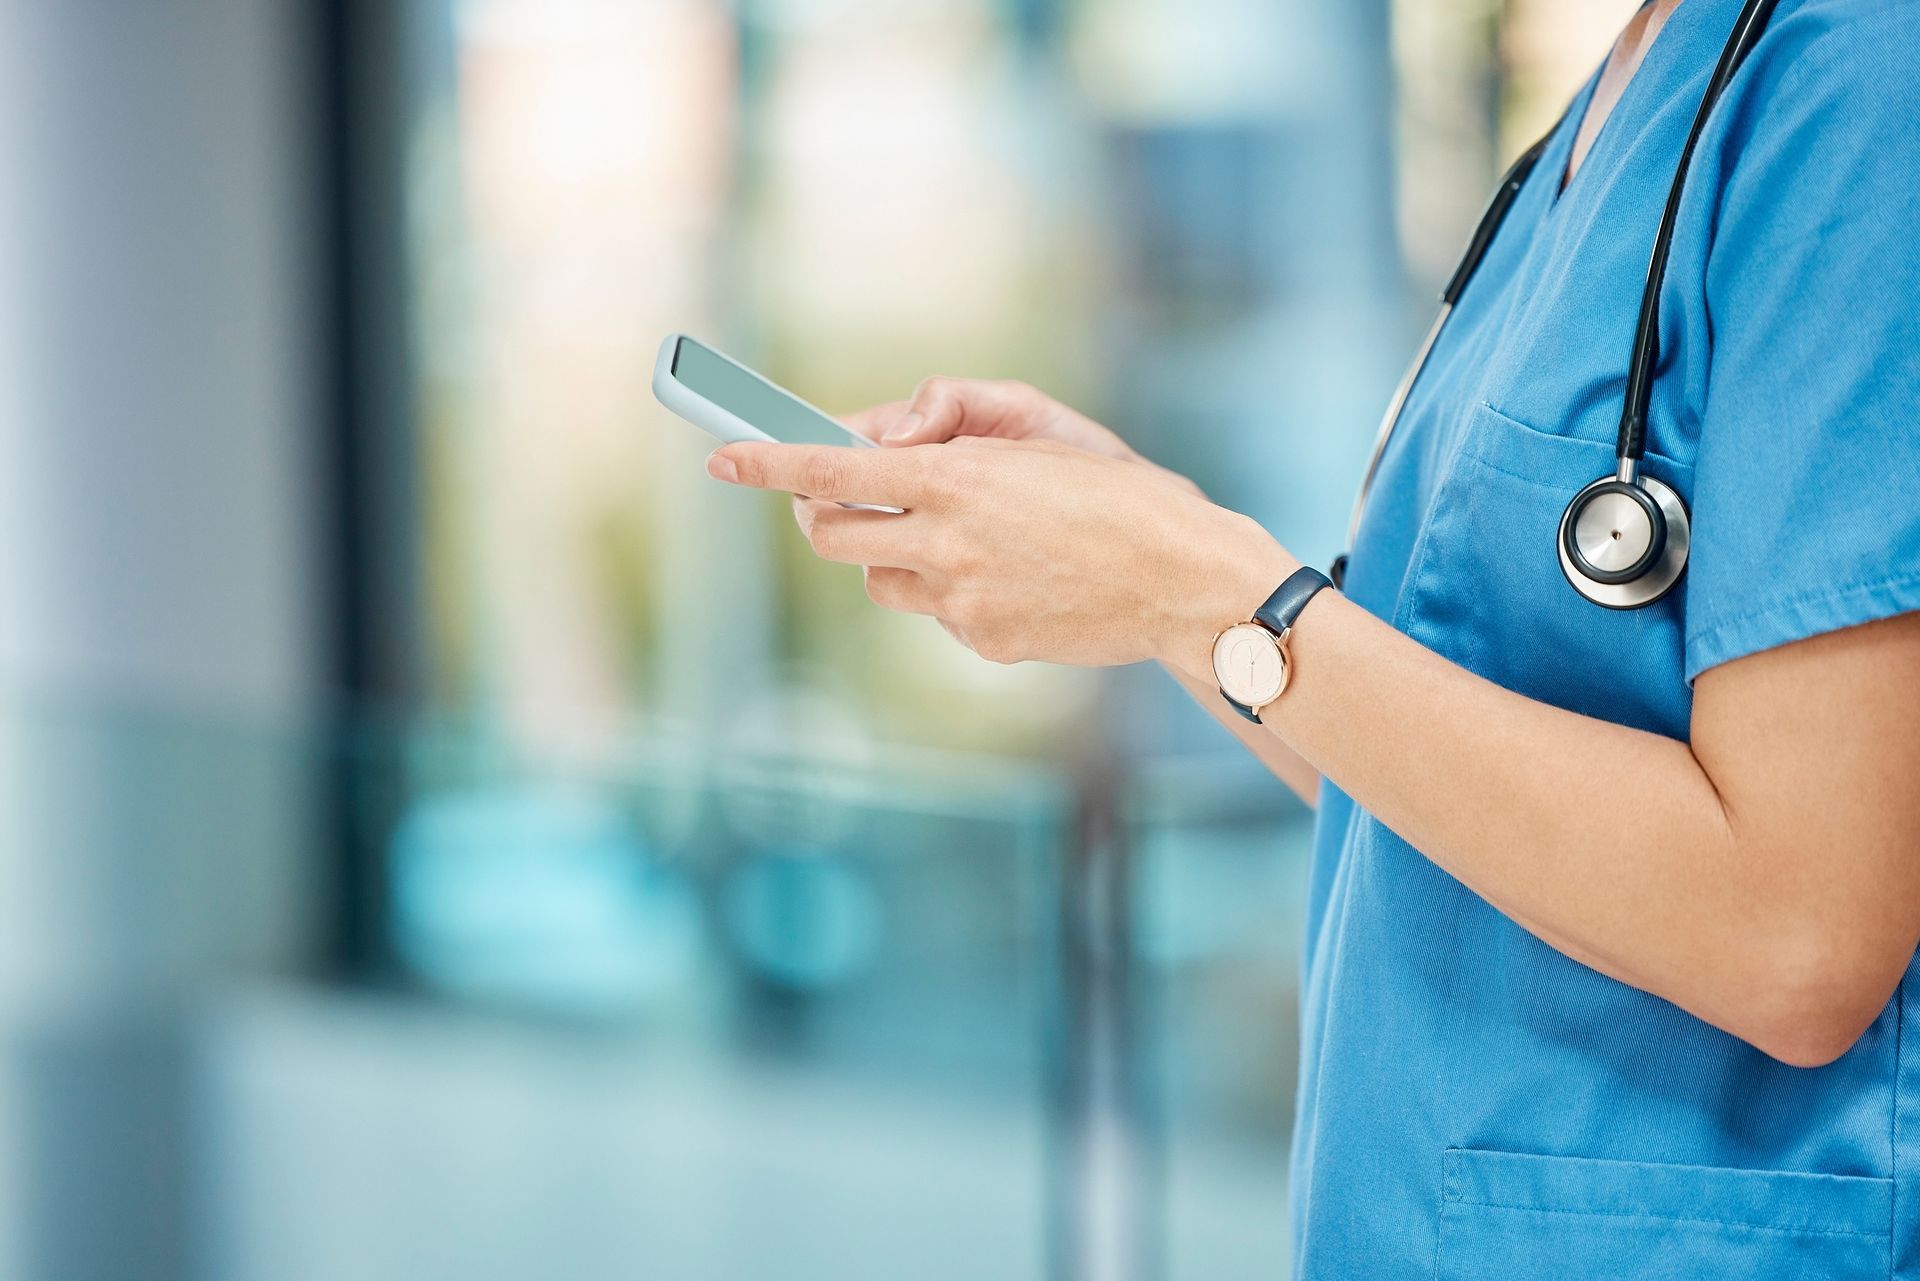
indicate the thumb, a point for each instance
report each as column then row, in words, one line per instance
column 934, row 415
column 875, row 421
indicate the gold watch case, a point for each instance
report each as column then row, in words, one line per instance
column 1252, row 665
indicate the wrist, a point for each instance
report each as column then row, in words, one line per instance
column 1231, row 581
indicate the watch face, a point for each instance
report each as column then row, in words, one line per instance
column 1248, row 664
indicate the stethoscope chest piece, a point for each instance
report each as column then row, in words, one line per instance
column 1624, row 541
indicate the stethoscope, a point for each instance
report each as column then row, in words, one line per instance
column 1623, row 540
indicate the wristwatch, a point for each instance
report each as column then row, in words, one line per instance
column 1251, row 660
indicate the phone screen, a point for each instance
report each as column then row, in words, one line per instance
column 781, row 416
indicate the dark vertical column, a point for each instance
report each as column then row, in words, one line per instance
column 367, row 455
column 1106, row 1217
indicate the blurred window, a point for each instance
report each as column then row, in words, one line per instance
column 673, row 775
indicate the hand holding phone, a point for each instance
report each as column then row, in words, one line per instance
column 731, row 402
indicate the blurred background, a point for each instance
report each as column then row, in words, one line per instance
column 443, row 835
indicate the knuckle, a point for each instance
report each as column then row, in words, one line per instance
column 948, row 483
column 820, row 474
column 993, row 647
column 941, row 393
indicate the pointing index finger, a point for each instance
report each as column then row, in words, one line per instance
column 842, row 474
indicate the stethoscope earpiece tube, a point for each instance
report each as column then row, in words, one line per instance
column 1632, row 439
column 1623, row 540
column 1482, row 239
column 1508, row 191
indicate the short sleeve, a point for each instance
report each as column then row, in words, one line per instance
column 1806, row 505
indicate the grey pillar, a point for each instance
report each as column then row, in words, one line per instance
column 156, row 499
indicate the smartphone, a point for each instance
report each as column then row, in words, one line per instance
column 730, row 402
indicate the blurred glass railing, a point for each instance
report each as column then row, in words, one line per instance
column 897, row 918
column 1218, row 887
column 799, row 1017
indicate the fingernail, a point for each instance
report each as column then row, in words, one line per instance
column 909, row 423
column 721, row 467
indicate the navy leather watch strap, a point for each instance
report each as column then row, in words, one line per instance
column 1289, row 598
column 1241, row 708
column 1278, row 613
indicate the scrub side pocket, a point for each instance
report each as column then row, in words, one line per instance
column 1486, row 589
column 1510, row 1215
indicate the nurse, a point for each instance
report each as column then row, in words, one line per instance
column 1613, row 916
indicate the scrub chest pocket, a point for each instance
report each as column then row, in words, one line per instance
column 1506, row 1216
column 1485, row 589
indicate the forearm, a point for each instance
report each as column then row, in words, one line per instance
column 1281, row 760
column 1523, row 803
column 1760, row 874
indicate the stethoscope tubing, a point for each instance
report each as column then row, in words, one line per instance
column 1391, row 419
column 1667, row 511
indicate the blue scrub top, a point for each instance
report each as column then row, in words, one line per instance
column 1473, row 1104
